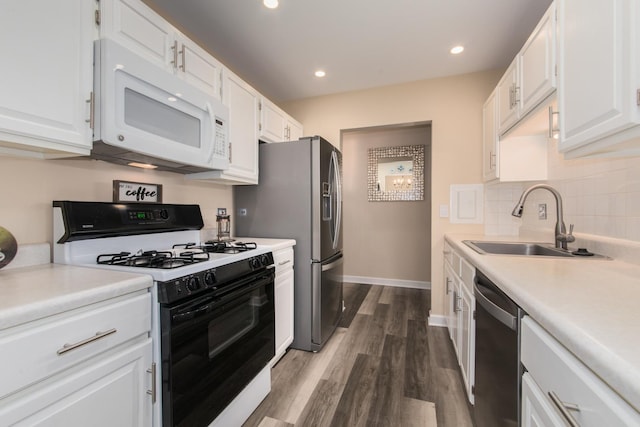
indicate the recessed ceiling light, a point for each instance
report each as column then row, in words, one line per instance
column 320, row 73
column 456, row 50
column 271, row 4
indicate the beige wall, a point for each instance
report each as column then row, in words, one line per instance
column 384, row 240
column 454, row 107
column 27, row 188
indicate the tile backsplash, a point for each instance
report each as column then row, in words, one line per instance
column 601, row 197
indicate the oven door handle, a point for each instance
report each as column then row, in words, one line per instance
column 210, row 305
column 192, row 314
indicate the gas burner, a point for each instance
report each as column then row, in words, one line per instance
column 218, row 247
column 227, row 247
column 154, row 259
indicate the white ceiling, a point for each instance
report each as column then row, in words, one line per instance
column 359, row 43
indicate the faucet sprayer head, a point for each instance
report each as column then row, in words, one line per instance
column 517, row 211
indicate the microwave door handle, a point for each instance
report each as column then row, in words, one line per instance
column 213, row 136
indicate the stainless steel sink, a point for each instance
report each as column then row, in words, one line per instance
column 517, row 248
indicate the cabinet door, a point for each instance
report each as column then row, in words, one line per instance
column 138, row 28
column 536, row 411
column 538, row 63
column 490, row 140
column 198, row 67
column 466, row 342
column 283, row 296
column 294, row 132
column 242, row 101
column 47, row 75
column 105, row 392
column 451, row 292
column 273, row 122
column 508, row 98
column 596, row 87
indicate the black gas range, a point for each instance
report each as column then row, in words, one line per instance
column 213, row 324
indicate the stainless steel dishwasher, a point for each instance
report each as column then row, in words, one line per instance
column 497, row 370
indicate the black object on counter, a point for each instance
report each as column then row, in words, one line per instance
column 582, row 252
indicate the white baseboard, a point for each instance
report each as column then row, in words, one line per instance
column 437, row 320
column 415, row 284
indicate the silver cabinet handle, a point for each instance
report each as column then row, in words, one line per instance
column 175, row 54
column 564, row 409
column 68, row 347
column 91, row 101
column 152, row 392
column 284, row 262
column 448, row 281
column 183, row 67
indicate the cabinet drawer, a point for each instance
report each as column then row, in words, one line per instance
column 448, row 253
column 283, row 259
column 555, row 369
column 33, row 352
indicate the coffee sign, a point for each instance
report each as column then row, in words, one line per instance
column 125, row 191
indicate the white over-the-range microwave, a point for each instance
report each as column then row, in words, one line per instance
column 145, row 115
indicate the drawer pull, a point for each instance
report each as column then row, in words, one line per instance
column 152, row 392
column 564, row 409
column 68, row 347
column 287, row 261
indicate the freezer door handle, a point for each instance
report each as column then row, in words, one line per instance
column 333, row 264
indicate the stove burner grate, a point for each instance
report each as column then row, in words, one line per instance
column 154, row 259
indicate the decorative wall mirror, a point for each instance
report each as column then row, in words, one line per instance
column 396, row 173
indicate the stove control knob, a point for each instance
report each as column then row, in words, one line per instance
column 255, row 262
column 264, row 259
column 193, row 284
column 209, row 278
column 164, row 214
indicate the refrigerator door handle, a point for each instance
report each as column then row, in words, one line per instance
column 338, row 200
column 333, row 264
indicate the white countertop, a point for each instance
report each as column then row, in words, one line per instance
column 592, row 306
column 273, row 244
column 31, row 293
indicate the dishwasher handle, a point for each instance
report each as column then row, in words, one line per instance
column 504, row 317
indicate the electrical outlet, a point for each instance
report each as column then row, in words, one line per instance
column 242, row 212
column 542, row 211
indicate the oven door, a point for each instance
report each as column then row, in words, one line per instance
column 212, row 347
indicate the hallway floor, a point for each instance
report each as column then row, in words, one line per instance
column 382, row 367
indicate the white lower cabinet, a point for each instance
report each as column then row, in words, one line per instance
column 283, row 297
column 459, row 308
column 559, row 389
column 110, row 391
column 89, row 366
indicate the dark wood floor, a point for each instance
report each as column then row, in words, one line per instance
column 383, row 367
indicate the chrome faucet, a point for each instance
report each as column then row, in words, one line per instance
column 562, row 237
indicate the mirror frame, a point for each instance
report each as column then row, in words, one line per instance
column 416, row 153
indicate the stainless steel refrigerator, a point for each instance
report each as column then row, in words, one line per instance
column 299, row 196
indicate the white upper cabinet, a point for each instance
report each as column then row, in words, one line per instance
column 490, row 141
column 135, row 26
column 47, row 77
column 242, row 101
column 538, row 63
column 508, row 98
column 531, row 77
column 599, row 77
column 276, row 125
